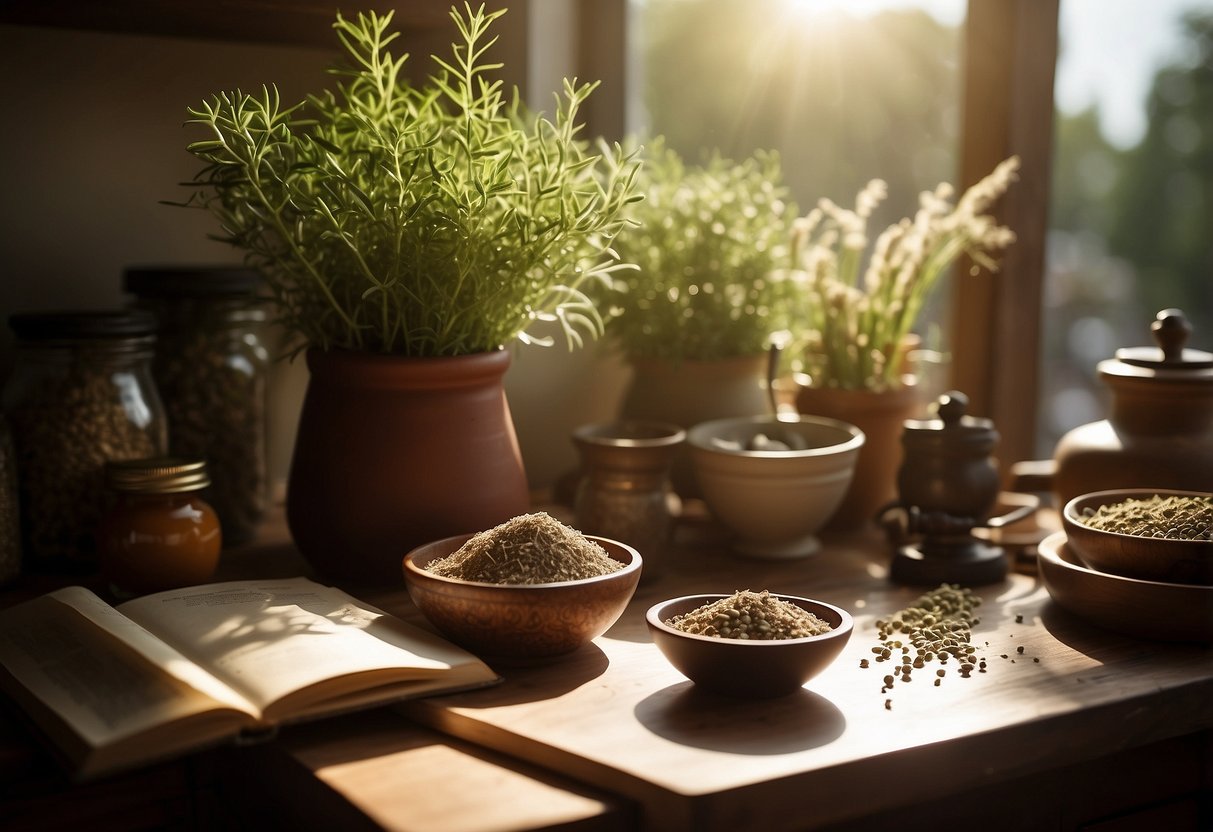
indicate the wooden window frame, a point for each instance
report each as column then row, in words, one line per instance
column 1010, row 58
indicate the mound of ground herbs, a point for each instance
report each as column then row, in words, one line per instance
column 755, row 616
column 1178, row 517
column 529, row 549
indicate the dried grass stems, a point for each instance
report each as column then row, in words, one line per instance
column 529, row 549
column 854, row 327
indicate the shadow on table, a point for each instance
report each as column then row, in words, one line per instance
column 684, row 714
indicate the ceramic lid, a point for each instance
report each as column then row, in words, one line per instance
column 1171, row 332
column 953, row 427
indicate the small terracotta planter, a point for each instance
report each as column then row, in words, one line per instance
column 395, row 452
column 881, row 416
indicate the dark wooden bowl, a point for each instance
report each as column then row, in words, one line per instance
column 520, row 621
column 1142, row 609
column 1135, row 556
column 748, row 669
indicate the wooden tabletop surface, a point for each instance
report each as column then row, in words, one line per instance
column 612, row 737
column 618, row 716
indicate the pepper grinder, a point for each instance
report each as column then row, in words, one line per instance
column 947, row 484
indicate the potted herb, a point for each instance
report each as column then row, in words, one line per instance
column 851, row 328
column 406, row 233
column 696, row 319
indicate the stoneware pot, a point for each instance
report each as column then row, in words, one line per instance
column 624, row 491
column 687, row 392
column 395, row 452
column 881, row 416
column 1158, row 434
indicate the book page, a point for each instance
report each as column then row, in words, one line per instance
column 268, row 639
column 103, row 675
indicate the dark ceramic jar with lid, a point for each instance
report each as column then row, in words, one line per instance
column 211, row 369
column 1159, row 432
column 949, row 484
column 81, row 394
column 948, row 464
column 159, row 533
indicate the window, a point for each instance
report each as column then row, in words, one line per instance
column 1131, row 211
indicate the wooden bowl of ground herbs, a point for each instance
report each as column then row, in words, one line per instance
column 531, row 588
column 750, row 645
column 1148, row 534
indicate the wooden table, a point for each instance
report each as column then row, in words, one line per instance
column 1082, row 729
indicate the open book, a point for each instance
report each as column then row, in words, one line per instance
column 115, row 687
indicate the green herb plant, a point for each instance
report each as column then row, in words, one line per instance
column 429, row 220
column 709, row 238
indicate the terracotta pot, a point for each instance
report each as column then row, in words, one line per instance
column 395, row 452
column 687, row 392
column 881, row 416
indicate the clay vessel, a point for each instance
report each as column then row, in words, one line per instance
column 394, row 452
column 881, row 416
column 1159, row 433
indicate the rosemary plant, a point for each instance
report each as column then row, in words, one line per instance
column 710, row 237
column 426, row 220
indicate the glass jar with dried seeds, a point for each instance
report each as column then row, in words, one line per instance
column 81, row 394
column 211, row 369
column 10, row 519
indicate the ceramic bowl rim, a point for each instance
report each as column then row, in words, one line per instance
column 666, row 434
column 653, row 618
column 420, row 573
column 1050, row 549
column 697, row 437
column 1115, row 495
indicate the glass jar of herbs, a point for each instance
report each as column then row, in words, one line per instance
column 211, row 369
column 10, row 518
column 81, row 394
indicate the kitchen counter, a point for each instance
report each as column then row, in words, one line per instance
column 1069, row 727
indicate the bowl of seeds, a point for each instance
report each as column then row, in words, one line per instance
column 1148, row 534
column 749, row 645
column 531, row 588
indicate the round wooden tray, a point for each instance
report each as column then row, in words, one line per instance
column 1147, row 609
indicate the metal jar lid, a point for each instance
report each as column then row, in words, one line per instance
column 79, row 325
column 157, row 475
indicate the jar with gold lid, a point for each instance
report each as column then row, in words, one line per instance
column 159, row 533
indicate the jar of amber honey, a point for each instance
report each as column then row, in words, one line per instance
column 159, row 533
